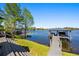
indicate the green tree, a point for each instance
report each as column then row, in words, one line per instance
column 28, row 19
column 1, row 27
column 8, row 22
column 1, row 16
column 12, row 14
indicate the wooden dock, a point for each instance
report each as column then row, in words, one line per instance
column 55, row 48
column 9, row 48
column 59, row 41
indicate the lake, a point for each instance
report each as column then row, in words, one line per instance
column 41, row 36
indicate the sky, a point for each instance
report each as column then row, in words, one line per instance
column 53, row 15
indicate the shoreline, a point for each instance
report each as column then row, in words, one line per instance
column 35, row 48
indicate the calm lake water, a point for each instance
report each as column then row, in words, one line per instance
column 41, row 36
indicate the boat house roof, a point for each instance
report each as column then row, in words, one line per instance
column 59, row 29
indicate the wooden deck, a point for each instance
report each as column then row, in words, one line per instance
column 9, row 48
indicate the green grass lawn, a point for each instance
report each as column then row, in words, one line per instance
column 38, row 49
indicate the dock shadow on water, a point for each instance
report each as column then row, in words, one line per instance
column 11, row 49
